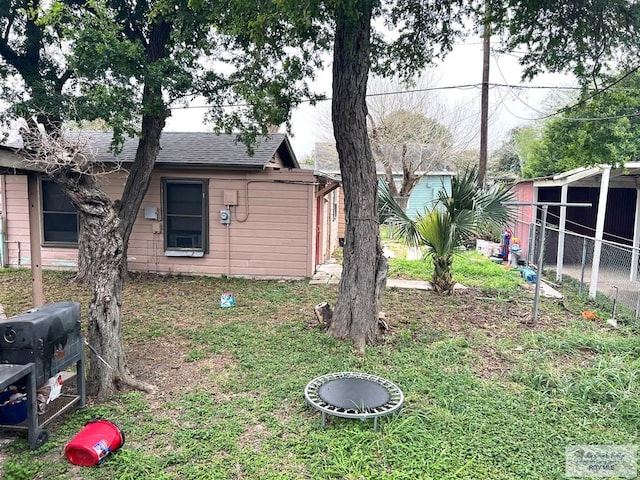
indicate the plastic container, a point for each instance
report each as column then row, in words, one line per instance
column 94, row 442
column 529, row 275
column 227, row 300
column 12, row 411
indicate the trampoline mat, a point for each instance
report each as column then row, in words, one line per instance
column 354, row 394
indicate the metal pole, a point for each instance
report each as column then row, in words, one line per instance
column 545, row 206
column 615, row 304
column 484, row 99
column 584, row 261
column 536, row 298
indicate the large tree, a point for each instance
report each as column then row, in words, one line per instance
column 363, row 260
column 127, row 62
column 585, row 37
column 423, row 29
column 600, row 127
column 506, row 162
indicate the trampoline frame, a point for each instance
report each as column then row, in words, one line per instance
column 312, row 398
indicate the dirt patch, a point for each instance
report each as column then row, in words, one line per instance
column 166, row 366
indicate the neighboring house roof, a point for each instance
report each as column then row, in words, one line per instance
column 198, row 150
column 326, row 160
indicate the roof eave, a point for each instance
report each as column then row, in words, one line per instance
column 11, row 161
column 290, row 153
column 197, row 165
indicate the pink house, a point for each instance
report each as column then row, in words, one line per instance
column 525, row 215
column 211, row 209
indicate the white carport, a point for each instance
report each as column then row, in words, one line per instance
column 604, row 177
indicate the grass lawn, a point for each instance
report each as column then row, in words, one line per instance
column 486, row 397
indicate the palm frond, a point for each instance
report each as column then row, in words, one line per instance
column 490, row 205
column 390, row 212
column 436, row 230
column 463, row 191
column 464, row 227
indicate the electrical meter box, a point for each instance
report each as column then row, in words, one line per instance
column 225, row 216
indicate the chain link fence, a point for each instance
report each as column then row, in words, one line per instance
column 617, row 270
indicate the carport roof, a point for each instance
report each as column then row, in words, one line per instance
column 624, row 177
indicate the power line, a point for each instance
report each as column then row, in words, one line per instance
column 467, row 86
column 516, row 96
column 593, row 95
column 477, row 85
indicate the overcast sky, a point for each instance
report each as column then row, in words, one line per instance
column 509, row 107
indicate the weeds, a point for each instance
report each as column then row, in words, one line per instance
column 231, row 403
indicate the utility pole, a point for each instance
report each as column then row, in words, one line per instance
column 484, row 102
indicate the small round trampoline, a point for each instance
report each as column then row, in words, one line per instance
column 353, row 395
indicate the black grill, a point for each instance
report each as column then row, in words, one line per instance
column 48, row 336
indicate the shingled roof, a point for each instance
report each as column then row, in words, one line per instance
column 326, row 159
column 202, row 149
column 197, row 150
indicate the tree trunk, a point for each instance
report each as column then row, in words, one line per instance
column 105, row 236
column 85, row 261
column 364, row 268
column 99, row 217
column 139, row 176
column 105, row 226
column 442, row 279
column 378, row 154
column 153, row 121
column 402, row 201
column 107, row 282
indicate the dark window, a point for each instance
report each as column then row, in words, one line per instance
column 59, row 216
column 185, row 214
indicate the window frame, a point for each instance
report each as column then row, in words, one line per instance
column 175, row 251
column 43, row 231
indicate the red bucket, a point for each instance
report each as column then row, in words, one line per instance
column 94, row 442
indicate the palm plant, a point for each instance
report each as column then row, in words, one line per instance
column 450, row 223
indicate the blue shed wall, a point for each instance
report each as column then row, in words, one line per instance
column 425, row 193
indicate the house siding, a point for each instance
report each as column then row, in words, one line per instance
column 329, row 224
column 425, row 193
column 525, row 215
column 270, row 235
column 16, row 213
column 341, row 214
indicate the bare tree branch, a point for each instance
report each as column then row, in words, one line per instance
column 414, row 133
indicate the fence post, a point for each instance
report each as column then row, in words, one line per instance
column 531, row 254
column 582, row 264
column 536, row 298
column 597, row 248
column 561, row 229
